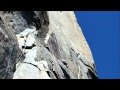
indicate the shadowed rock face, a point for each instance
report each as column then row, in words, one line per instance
column 9, row 53
column 43, row 45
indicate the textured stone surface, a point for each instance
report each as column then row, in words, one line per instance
column 43, row 45
column 10, row 54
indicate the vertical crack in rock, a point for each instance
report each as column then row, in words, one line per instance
column 65, row 73
column 91, row 75
column 53, row 46
column 43, row 45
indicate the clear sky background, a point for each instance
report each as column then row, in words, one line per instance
column 102, row 32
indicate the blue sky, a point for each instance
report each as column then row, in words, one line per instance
column 102, row 32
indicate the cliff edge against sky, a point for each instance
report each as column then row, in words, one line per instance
column 43, row 45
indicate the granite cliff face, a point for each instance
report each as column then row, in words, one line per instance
column 43, row 45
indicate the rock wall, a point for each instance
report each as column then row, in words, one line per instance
column 43, row 45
